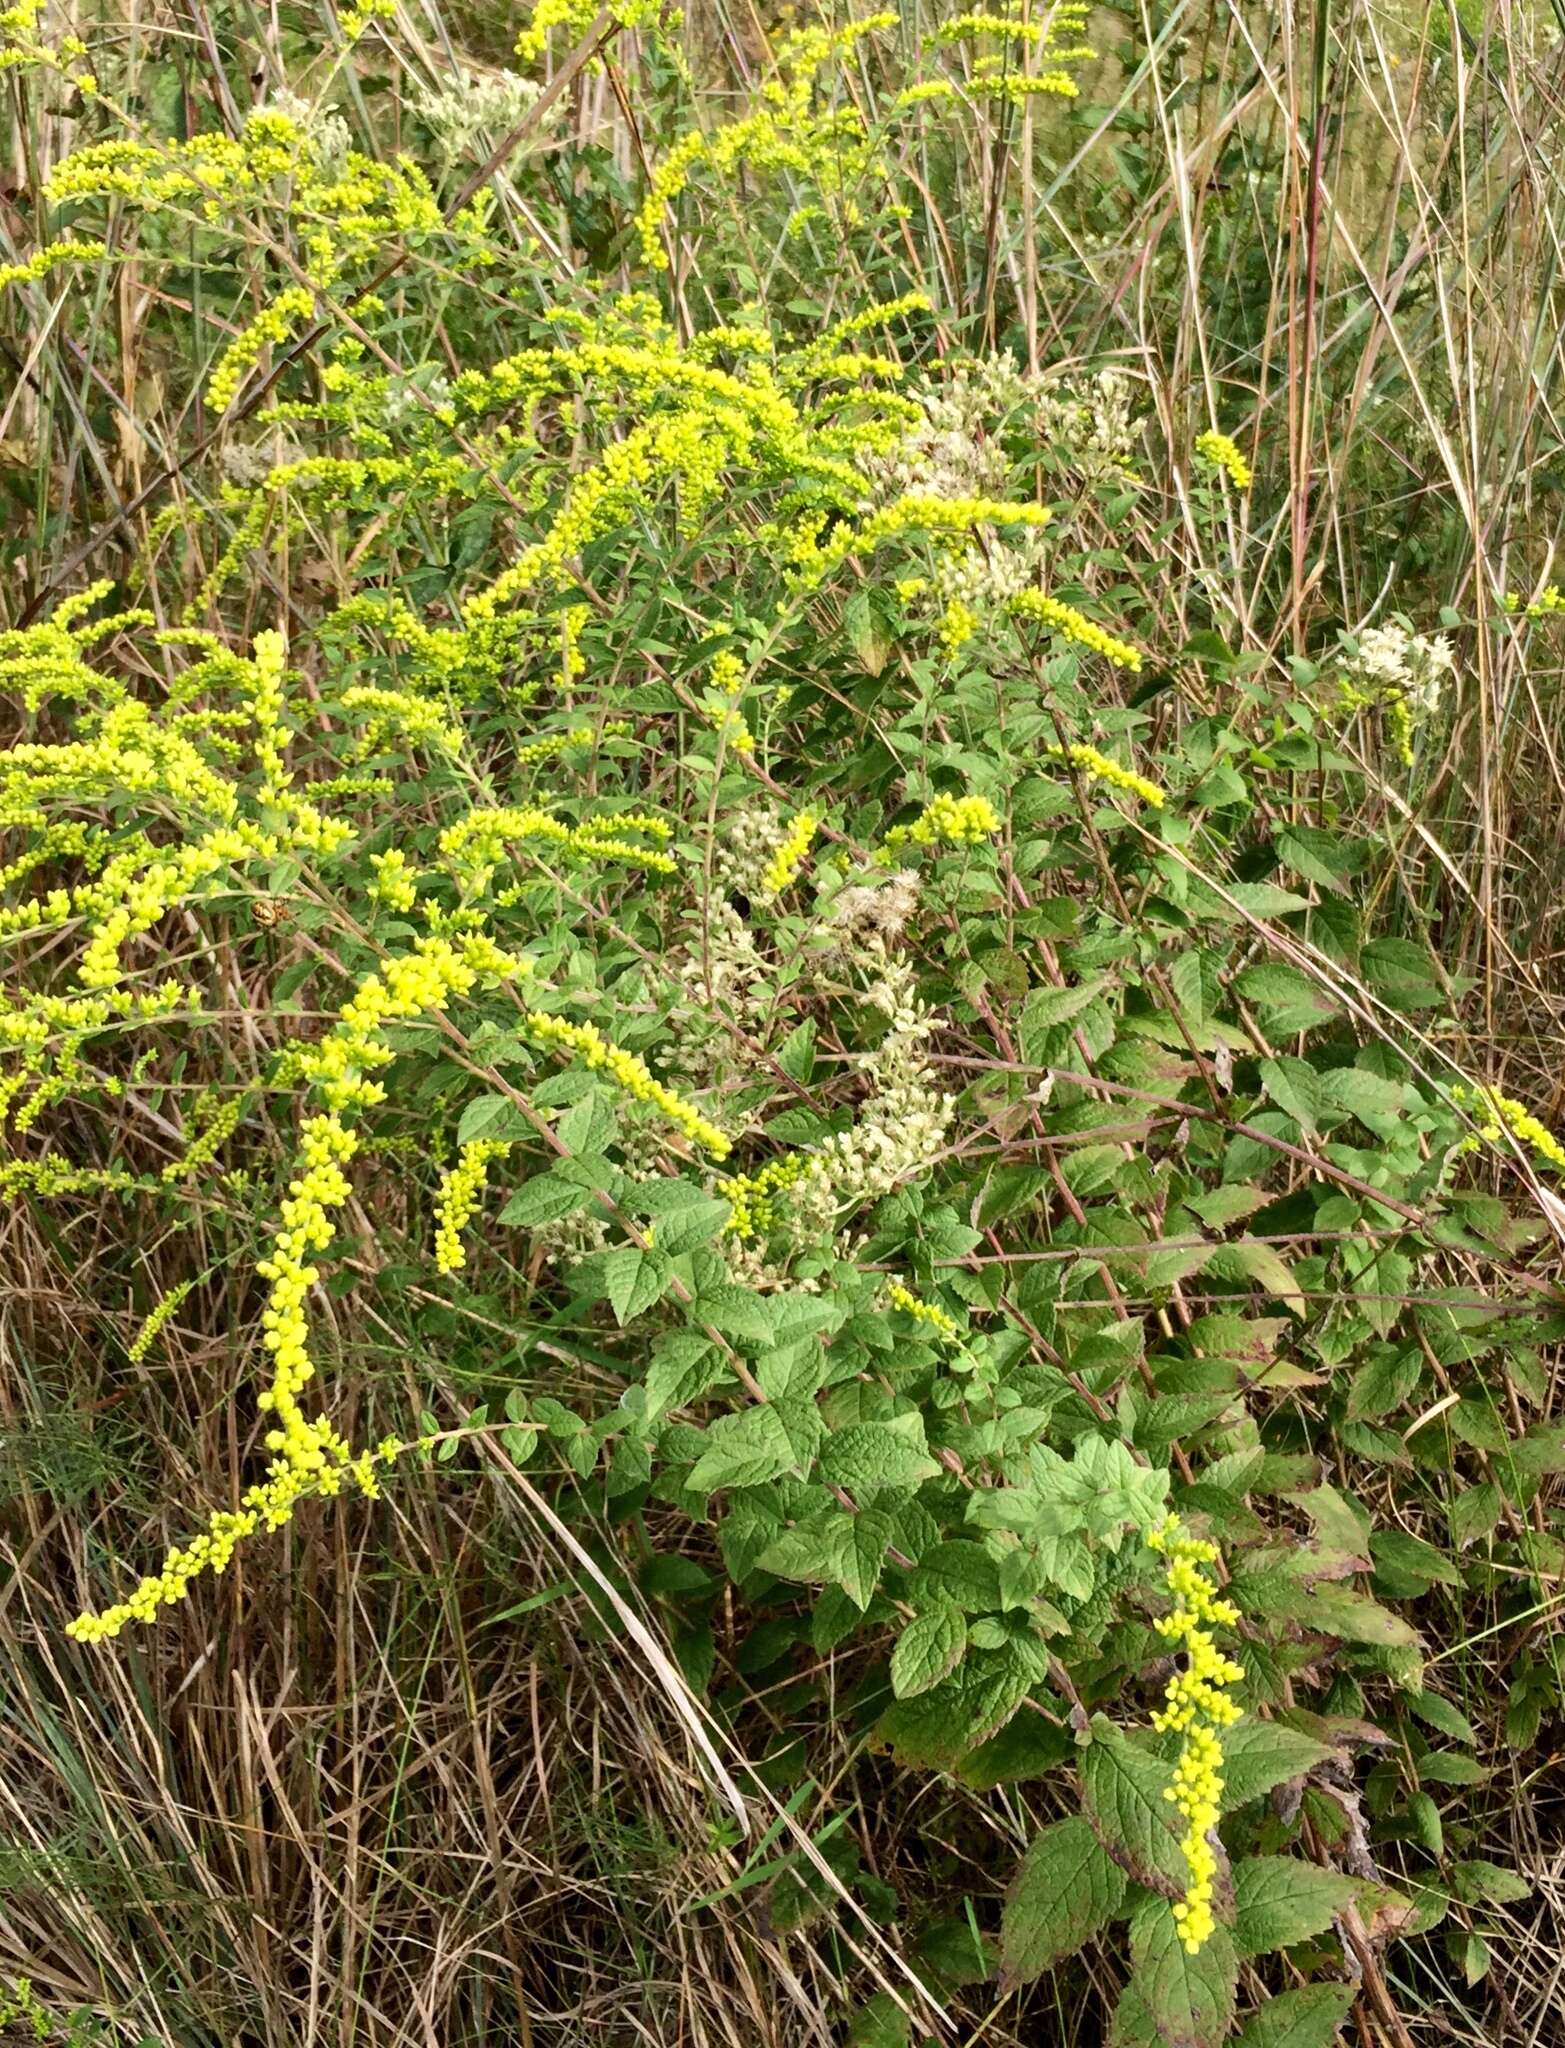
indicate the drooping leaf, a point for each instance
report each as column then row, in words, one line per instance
column 1066, row 1888
column 1308, row 2017
column 928, row 1649
column 1190, row 1998
column 1279, row 1900
column 1123, row 1787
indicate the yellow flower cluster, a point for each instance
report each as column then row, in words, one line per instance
column 958, row 623
column 217, row 1120
column 274, row 324
column 752, row 1209
column 52, row 257
column 947, row 821
column 340, row 207
column 1222, row 454
column 1496, row 1111
column 630, row 1072
column 357, row 18
column 325, row 1148
column 475, row 846
column 786, row 134
column 1548, row 602
column 267, row 1505
column 394, row 883
column 51, row 1176
column 577, row 16
column 914, row 512
column 460, row 1187
column 782, row 870
column 165, row 1306
column 554, row 744
column 1071, row 624
column 727, row 672
column 1101, row 768
column 425, row 979
column 923, row 1311
column 1196, row 1705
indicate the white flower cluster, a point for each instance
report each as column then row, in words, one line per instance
column 1092, row 419
column 1395, row 660
column 900, row 1131
column 479, row 106
column 329, row 135
column 953, row 451
column 874, row 913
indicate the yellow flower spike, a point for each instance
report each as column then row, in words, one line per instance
column 1101, row 768
column 927, row 1312
column 1494, row 1110
column 782, row 870
column 1071, row 624
column 630, row 1072
column 1196, row 1704
column 752, row 1211
column 460, row 1187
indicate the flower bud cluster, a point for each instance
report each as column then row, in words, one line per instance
column 460, row 1187
column 1197, row 1705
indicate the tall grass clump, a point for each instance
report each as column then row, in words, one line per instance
column 779, row 1020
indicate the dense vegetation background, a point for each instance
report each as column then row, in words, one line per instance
column 780, row 839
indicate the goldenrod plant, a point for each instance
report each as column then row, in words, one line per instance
column 698, row 907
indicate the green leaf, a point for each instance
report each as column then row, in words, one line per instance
column 1190, row 1997
column 1248, row 1260
column 634, row 1279
column 1403, row 973
column 1065, row 1889
column 736, row 1312
column 806, row 1554
column 1308, row 2017
column 935, row 1729
column 1046, row 1007
column 1288, row 1000
column 692, row 1223
column 796, row 1054
column 1295, row 1087
column 1318, row 855
column 492, row 1116
column 1340, row 1611
column 748, row 1449
column 1122, row 1790
column 861, row 1553
column 544, row 1199
column 1424, row 1818
column 1260, row 1755
column 869, row 1455
column 961, row 1573
column 1476, row 1881
column 684, row 1365
column 1265, row 899
column 1374, row 1100
column 928, row 1650
column 1279, row 1900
